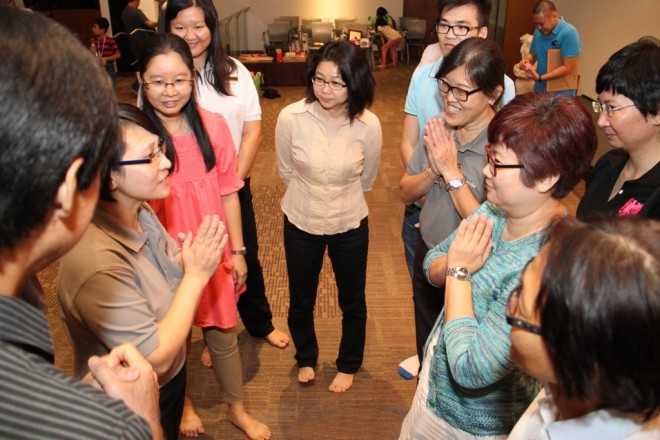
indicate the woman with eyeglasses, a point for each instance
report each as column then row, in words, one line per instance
column 203, row 181
column 127, row 280
column 224, row 86
column 328, row 149
column 593, row 340
column 540, row 147
column 452, row 156
column 626, row 180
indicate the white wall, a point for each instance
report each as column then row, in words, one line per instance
column 264, row 11
column 267, row 10
column 605, row 26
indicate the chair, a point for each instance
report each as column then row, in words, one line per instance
column 321, row 33
column 415, row 35
column 403, row 22
column 294, row 28
column 343, row 23
column 364, row 29
column 306, row 25
column 278, row 34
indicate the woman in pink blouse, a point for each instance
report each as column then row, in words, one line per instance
column 328, row 149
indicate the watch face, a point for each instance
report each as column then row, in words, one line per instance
column 454, row 184
column 461, row 272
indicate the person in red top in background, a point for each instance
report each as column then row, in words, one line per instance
column 105, row 48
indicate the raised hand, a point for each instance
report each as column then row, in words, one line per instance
column 441, row 149
column 202, row 254
column 472, row 243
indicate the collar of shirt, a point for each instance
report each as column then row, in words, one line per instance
column 602, row 424
column 128, row 237
column 313, row 109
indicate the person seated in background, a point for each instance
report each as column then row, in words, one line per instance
column 626, row 180
column 585, row 320
column 53, row 140
column 540, row 147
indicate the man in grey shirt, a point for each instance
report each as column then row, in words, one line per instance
column 58, row 125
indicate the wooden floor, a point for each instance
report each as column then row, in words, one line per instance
column 380, row 398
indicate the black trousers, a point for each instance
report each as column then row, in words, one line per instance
column 429, row 301
column 252, row 304
column 170, row 401
column 304, row 259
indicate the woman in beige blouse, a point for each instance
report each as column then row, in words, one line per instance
column 328, row 148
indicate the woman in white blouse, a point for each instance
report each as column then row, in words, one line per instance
column 328, row 149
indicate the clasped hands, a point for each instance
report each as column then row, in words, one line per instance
column 441, row 149
column 472, row 243
column 202, row 254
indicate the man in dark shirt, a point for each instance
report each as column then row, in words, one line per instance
column 58, row 125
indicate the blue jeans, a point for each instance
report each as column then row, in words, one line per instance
column 410, row 234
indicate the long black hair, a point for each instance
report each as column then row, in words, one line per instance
column 160, row 44
column 221, row 64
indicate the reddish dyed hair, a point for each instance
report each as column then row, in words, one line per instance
column 552, row 135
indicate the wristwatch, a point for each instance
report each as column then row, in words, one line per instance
column 241, row 251
column 460, row 273
column 454, row 184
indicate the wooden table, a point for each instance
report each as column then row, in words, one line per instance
column 281, row 74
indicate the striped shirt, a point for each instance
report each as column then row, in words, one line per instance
column 105, row 46
column 39, row 401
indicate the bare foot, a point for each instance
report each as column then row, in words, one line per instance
column 278, row 338
column 341, row 383
column 191, row 424
column 253, row 429
column 306, row 375
column 206, row 358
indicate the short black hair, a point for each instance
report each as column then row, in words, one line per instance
column 160, row 44
column 102, row 23
column 128, row 115
column 483, row 61
column 483, row 8
column 55, row 106
column 355, row 72
column 634, row 72
column 599, row 304
column 543, row 7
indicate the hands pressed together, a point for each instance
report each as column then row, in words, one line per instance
column 472, row 244
column 202, row 254
column 441, row 149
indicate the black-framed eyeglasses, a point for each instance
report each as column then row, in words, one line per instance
column 151, row 159
column 180, row 85
column 494, row 165
column 460, row 94
column 512, row 307
column 334, row 85
column 458, row 29
column 606, row 108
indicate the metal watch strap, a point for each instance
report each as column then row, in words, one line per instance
column 241, row 251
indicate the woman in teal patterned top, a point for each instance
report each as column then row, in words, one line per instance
column 541, row 146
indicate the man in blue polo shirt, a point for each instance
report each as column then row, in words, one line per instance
column 552, row 32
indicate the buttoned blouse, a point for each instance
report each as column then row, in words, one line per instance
column 326, row 178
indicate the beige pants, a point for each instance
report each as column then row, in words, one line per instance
column 223, row 348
